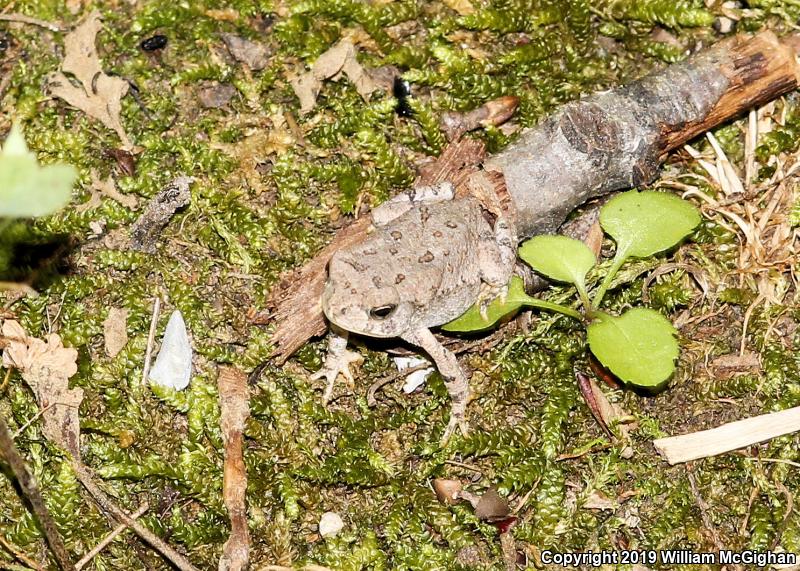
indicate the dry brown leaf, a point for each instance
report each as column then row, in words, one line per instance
column 253, row 54
column 597, row 500
column 107, row 188
column 341, row 58
column 115, row 331
column 47, row 366
column 99, row 95
column 214, row 95
column 492, row 506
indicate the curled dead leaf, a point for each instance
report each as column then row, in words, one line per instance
column 253, row 54
column 46, row 367
column 341, row 58
column 492, row 506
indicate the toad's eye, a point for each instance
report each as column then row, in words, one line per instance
column 382, row 312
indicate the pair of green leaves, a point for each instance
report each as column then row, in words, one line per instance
column 26, row 188
column 638, row 346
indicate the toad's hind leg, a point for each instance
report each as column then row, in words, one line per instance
column 454, row 378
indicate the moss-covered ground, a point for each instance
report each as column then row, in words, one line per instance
column 271, row 187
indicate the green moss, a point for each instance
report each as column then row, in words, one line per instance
column 218, row 257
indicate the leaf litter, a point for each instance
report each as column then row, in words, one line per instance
column 98, row 94
column 337, row 61
column 46, row 366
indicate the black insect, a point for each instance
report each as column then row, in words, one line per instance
column 402, row 92
column 153, row 43
column 5, row 41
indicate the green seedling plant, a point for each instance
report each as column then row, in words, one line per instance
column 28, row 189
column 638, row 346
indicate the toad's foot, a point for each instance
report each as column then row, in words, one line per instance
column 337, row 361
column 457, row 418
column 334, row 366
column 487, row 295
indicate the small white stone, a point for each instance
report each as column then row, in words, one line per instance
column 417, row 378
column 173, row 366
column 330, row 524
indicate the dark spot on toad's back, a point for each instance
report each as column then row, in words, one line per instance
column 424, row 214
column 153, row 43
column 399, row 278
column 396, row 234
column 370, row 252
column 451, row 224
column 426, row 257
column 377, row 281
column 437, row 234
column 393, row 251
column 355, row 265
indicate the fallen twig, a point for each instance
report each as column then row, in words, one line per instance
column 29, row 489
column 109, row 538
column 23, row 19
column 85, row 477
column 151, row 337
column 234, row 411
column 18, row 554
column 728, row 437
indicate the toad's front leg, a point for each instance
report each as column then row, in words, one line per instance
column 337, row 361
column 454, row 378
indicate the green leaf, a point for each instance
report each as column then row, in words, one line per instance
column 472, row 320
column 639, row 347
column 558, row 257
column 27, row 189
column 644, row 223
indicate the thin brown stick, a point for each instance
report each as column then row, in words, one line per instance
column 29, row 490
column 704, row 508
column 23, row 19
column 234, row 411
column 85, row 477
column 18, row 554
column 151, row 336
column 109, row 538
column 380, row 383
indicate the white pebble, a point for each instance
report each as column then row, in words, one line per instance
column 330, row 524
